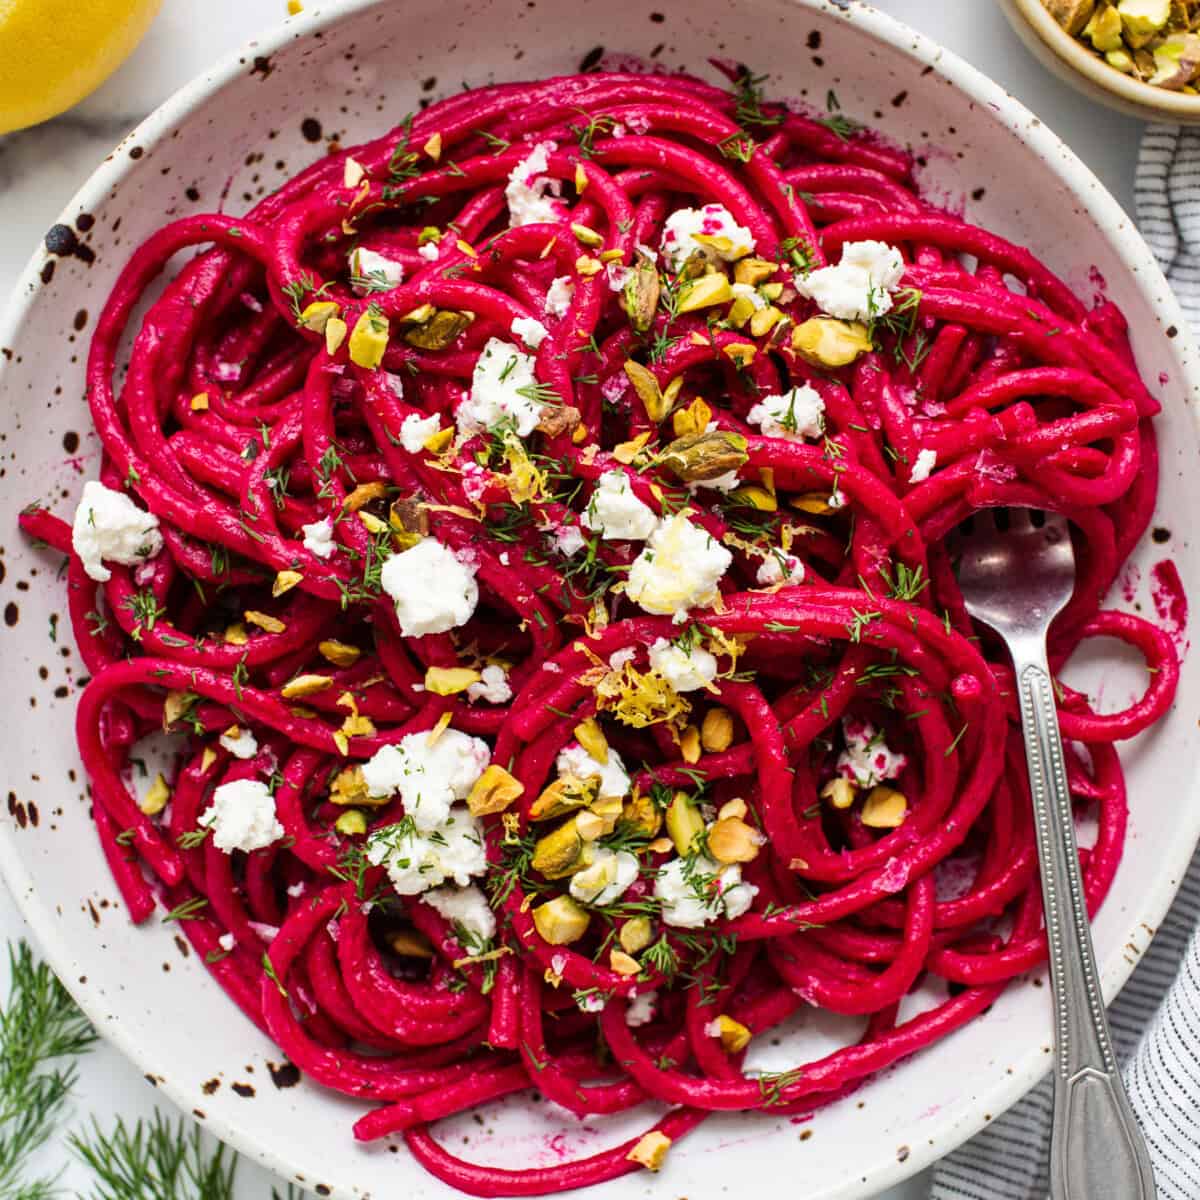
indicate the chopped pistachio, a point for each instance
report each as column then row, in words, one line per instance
column 335, row 334
column 439, row 727
column 435, row 443
column 635, row 935
column 563, row 795
column 466, row 248
column 639, row 296
column 816, row 503
column 235, row 634
column 589, row 825
column 731, row 840
column 1103, row 30
column 562, row 851
column 740, row 311
column 558, row 419
column 587, row 266
column 581, row 179
column 885, row 808
column 1072, row 15
column 651, row 1150
column 373, row 524
column 684, row 822
column 439, row 331
column 418, row 315
column 771, row 291
column 199, row 402
column 701, row 456
column 704, row 293
column 764, row 320
column 433, row 147
column 622, row 963
column 689, row 745
column 839, row 792
column 176, row 704
column 754, row 271
column 449, row 681
column 363, row 494
column 591, row 737
column 352, row 821
column 264, row 621
column 305, row 685
column 741, row 354
column 207, row 758
column 156, row 797
column 316, row 316
column 609, row 809
column 285, row 581
column 1176, row 61
column 734, row 1036
column 1142, row 19
column 410, row 943
column 339, row 653
column 753, row 496
column 560, row 921
column 586, row 235
column 737, row 807
column 646, row 386
column 716, row 730
column 641, row 815
column 494, row 791
column 580, row 435
column 349, row 787
column 692, row 420
column 626, row 452
column 369, row 340
column 828, row 342
column 1120, row 60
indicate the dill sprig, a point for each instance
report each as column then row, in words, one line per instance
column 153, row 1159
column 39, row 1025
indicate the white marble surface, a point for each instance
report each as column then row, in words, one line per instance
column 41, row 168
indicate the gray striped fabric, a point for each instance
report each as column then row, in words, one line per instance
column 1156, row 1019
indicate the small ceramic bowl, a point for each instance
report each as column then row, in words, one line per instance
column 1076, row 65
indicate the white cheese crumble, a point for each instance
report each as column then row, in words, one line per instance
column 721, row 483
column 613, row 778
column 747, row 291
column 923, row 467
column 701, row 893
column 227, row 942
column 433, row 590
column 429, row 778
column 416, row 431
column 771, row 571
column 679, row 569
column 242, row 743
column 108, row 525
column 466, row 907
column 618, row 658
column 318, row 537
column 502, row 373
column 591, row 1002
column 867, row 758
column 530, row 330
column 713, row 1029
column 429, row 251
column 860, row 286
column 713, row 220
column 241, row 816
column 641, row 1008
column 798, row 413
column 373, row 272
column 569, row 540
column 615, row 513
column 417, row 860
column 684, row 670
column 604, row 882
column 558, row 298
column 493, row 686
column 528, row 186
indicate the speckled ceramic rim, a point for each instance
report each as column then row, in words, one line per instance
column 1148, row 102
column 954, row 1127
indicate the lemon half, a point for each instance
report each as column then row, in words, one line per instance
column 54, row 52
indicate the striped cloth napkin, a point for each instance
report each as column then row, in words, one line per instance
column 1156, row 1018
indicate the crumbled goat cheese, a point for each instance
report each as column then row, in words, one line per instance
column 528, row 186
column 420, row 859
column 613, row 779
column 616, row 513
column 684, row 670
column 242, row 745
column 434, row 591
column 241, row 816
column 641, row 1008
column 530, row 330
column 108, row 525
column 558, row 298
column 416, row 431
column 798, row 413
column 429, row 778
column 867, row 758
column 923, row 467
column 771, row 570
column 466, row 907
column 493, row 687
column 429, row 251
column 502, row 373
column 860, row 286
column 697, row 891
column 318, row 537
column 678, row 570
column 714, row 221
column 372, row 272
column 606, row 879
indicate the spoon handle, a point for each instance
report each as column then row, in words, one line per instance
column 1096, row 1147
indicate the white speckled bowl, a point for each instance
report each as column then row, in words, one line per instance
column 243, row 126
